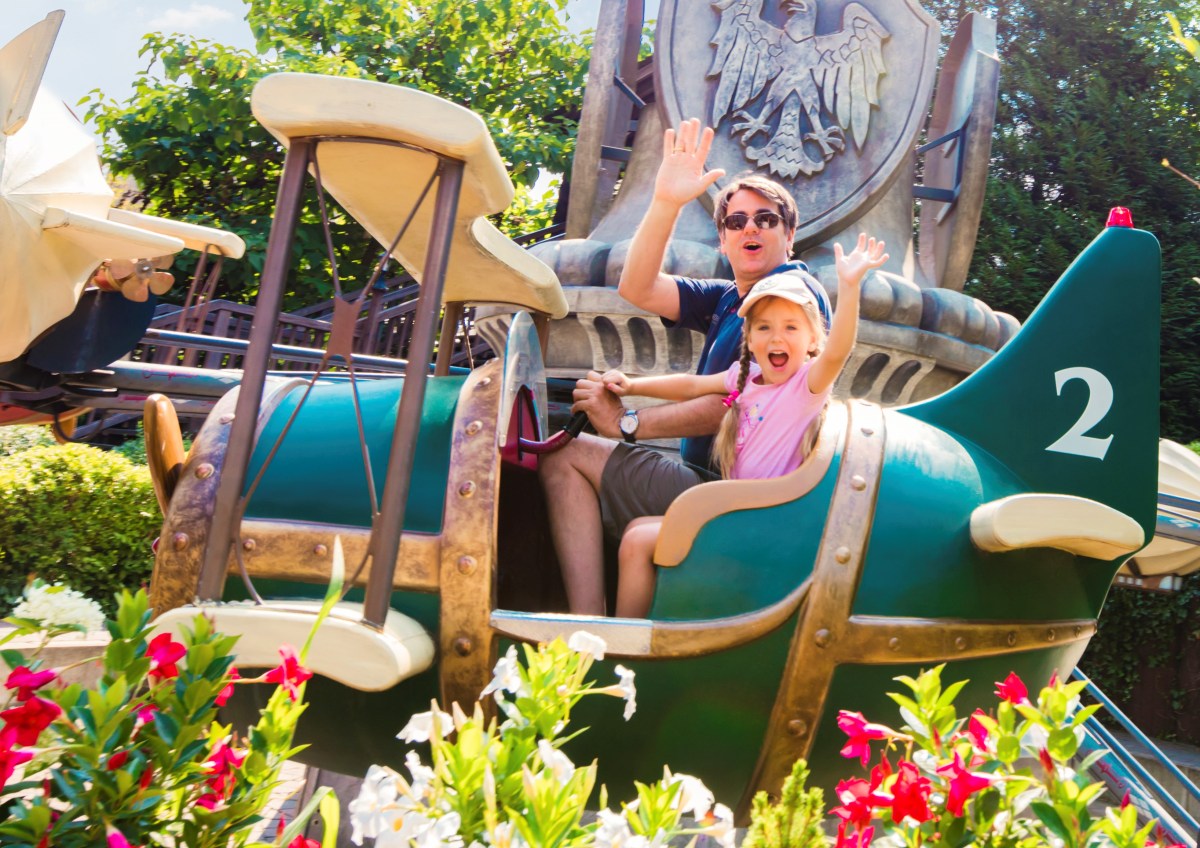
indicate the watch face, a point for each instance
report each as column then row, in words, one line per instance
column 629, row 422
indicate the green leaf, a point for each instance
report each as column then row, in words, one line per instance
column 1048, row 816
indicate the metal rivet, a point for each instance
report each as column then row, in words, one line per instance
column 248, row 545
column 462, row 646
column 868, row 431
column 858, row 483
column 320, row 550
column 822, row 637
column 467, row 489
column 180, row 541
column 227, row 418
column 797, row 727
column 960, row 643
column 466, row 565
column 1051, row 635
column 894, row 643
column 1078, row 630
column 1011, row 638
column 205, row 470
column 474, row 427
column 842, row 554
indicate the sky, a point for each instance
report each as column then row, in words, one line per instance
column 98, row 44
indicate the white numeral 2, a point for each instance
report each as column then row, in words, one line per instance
column 1100, row 398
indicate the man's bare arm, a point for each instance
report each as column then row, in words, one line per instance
column 699, row 417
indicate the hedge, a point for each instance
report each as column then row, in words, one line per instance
column 75, row 514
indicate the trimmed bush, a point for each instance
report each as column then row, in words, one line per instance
column 75, row 514
column 22, row 437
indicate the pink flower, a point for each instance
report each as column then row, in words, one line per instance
column 209, row 801
column 299, row 842
column 221, row 765
column 855, row 795
column 977, row 732
column 861, row 732
column 911, row 794
column 289, row 674
column 963, row 784
column 10, row 758
column 227, row 693
column 26, row 681
column 857, row 839
column 30, row 719
column 164, row 652
column 1047, row 762
column 1012, row 690
column 116, row 839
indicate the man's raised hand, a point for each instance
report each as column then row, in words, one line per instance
column 681, row 176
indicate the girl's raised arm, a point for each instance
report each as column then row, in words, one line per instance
column 843, row 330
column 667, row 387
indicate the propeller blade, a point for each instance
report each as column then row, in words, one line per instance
column 161, row 282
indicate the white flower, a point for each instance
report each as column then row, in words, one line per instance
column 613, row 831
column 420, row 726
column 506, row 835
column 628, row 692
column 374, row 811
column 508, row 676
column 660, row 839
column 416, row 828
column 57, row 606
column 587, row 643
column 722, row 829
column 556, row 761
column 694, row 797
column 423, row 776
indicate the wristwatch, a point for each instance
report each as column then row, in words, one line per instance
column 629, row 425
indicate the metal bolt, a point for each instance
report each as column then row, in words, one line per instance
column 868, row 431
column 842, row 554
column 894, row 643
column 797, row 727
column 1011, row 638
column 462, row 646
column 474, row 427
column 467, row 489
column 227, row 418
column 822, row 637
column 320, row 550
column 248, row 545
column 858, row 483
column 1051, row 635
column 1078, row 630
column 466, row 565
column 960, row 643
column 180, row 541
column 205, row 470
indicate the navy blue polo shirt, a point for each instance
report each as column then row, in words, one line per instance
column 710, row 307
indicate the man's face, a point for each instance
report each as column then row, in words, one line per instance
column 754, row 251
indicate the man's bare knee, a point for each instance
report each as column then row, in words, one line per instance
column 585, row 455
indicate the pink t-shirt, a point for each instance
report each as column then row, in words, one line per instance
column 773, row 421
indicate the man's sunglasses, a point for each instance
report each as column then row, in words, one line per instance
column 762, row 220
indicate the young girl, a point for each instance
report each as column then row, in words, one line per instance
column 776, row 404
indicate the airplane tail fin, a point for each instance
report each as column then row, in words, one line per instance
column 1070, row 404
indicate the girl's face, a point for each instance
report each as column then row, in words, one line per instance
column 780, row 338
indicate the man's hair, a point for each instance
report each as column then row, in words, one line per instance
column 768, row 188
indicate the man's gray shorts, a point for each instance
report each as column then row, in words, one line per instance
column 638, row 481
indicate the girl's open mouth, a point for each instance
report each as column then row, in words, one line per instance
column 777, row 360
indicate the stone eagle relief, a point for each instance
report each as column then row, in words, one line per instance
column 823, row 86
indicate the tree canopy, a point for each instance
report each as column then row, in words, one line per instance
column 1093, row 96
column 186, row 134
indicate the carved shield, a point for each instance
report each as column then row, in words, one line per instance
column 827, row 97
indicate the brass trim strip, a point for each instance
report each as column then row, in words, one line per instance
column 875, row 640
column 467, row 565
column 701, row 504
column 808, row 671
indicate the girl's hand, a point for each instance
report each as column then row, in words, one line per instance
column 617, row 383
column 867, row 255
column 681, row 176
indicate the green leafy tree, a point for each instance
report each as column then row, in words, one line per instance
column 1093, row 96
column 187, row 136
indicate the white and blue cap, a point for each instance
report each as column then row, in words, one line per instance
column 800, row 287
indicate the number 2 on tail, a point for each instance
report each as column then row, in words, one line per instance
column 1100, row 398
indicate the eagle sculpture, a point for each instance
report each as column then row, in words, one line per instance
column 805, row 75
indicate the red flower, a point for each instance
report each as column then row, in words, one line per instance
column 911, row 794
column 1012, row 690
column 30, row 719
column 855, row 795
column 10, row 758
column 299, row 842
column 115, row 761
column 147, row 777
column 861, row 732
column 116, row 839
column 26, row 681
column 977, row 731
column 209, row 801
column 164, row 652
column 227, row 693
column 1043, row 757
column 857, row 839
column 963, row 784
column 221, row 765
column 290, row 674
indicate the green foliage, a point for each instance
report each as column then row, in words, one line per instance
column 1093, row 96
column 794, row 822
column 186, row 134
column 22, row 437
column 78, row 515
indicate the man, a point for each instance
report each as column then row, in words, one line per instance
column 595, row 485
